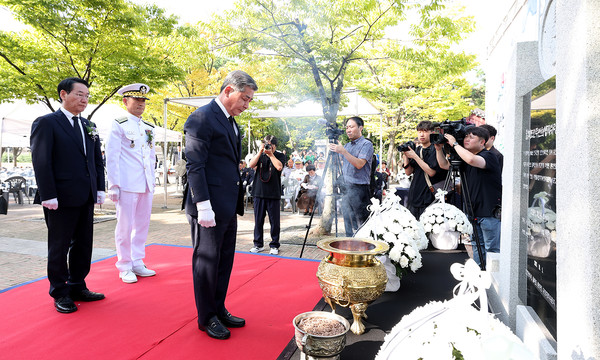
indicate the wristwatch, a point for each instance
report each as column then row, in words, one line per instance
column 455, row 143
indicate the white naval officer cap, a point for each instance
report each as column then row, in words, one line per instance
column 136, row 90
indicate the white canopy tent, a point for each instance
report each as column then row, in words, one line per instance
column 356, row 106
column 16, row 119
column 545, row 102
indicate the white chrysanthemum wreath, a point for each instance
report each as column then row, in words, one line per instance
column 440, row 217
column 394, row 224
column 454, row 329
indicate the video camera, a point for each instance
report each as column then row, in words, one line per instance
column 456, row 128
column 405, row 147
column 331, row 130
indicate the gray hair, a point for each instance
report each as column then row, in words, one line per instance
column 238, row 80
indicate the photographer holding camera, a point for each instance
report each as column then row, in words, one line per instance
column 266, row 192
column 422, row 163
column 356, row 170
column 482, row 182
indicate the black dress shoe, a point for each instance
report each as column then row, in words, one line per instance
column 231, row 321
column 215, row 329
column 86, row 295
column 65, row 305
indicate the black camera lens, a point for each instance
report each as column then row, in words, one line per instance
column 406, row 145
column 267, row 146
column 437, row 138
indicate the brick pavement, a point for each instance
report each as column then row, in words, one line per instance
column 23, row 236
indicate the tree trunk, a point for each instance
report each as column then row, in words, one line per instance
column 334, row 169
column 16, row 152
column 328, row 213
column 391, row 152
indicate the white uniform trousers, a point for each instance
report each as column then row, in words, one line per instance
column 133, row 220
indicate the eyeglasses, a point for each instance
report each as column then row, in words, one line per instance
column 80, row 94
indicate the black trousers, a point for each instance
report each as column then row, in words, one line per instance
column 262, row 207
column 212, row 260
column 70, row 243
column 416, row 211
column 354, row 206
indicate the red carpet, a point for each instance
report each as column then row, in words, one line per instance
column 156, row 317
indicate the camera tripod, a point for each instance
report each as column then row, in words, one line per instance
column 455, row 173
column 334, row 164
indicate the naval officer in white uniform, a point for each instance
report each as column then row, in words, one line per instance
column 130, row 161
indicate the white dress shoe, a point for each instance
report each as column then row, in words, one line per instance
column 128, row 276
column 143, row 271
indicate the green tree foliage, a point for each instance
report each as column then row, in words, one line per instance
column 423, row 82
column 109, row 43
column 316, row 42
column 189, row 49
column 192, row 49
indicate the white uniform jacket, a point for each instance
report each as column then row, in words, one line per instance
column 131, row 155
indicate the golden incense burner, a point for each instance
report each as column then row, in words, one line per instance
column 351, row 276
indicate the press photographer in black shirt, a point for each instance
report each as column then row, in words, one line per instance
column 422, row 163
column 266, row 192
column 483, row 184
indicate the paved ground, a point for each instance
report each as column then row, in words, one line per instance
column 23, row 242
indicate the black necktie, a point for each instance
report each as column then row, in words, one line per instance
column 231, row 119
column 77, row 130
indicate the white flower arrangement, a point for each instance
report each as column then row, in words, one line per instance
column 456, row 335
column 454, row 329
column 440, row 217
column 394, row 224
column 403, row 179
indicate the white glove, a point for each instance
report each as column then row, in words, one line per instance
column 113, row 194
column 206, row 216
column 51, row 204
column 101, row 195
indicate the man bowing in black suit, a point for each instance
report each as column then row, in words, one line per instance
column 214, row 196
column 68, row 167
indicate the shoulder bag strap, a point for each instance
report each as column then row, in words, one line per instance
column 427, row 180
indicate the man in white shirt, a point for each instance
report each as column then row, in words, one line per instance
column 67, row 160
column 130, row 162
column 213, row 196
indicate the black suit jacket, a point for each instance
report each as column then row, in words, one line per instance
column 62, row 169
column 213, row 152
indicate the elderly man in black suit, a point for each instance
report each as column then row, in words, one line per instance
column 67, row 161
column 214, row 195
